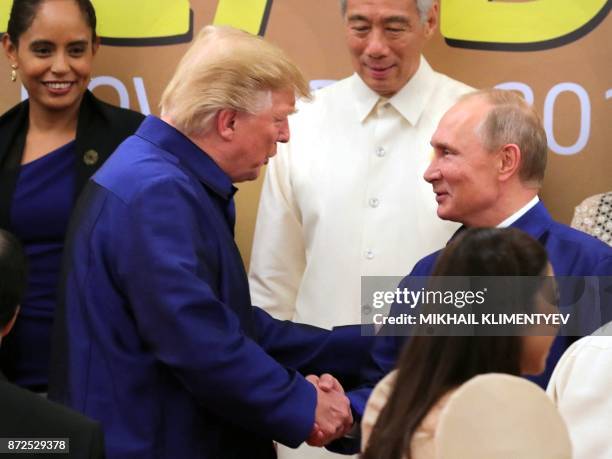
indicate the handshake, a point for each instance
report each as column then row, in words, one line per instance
column 333, row 418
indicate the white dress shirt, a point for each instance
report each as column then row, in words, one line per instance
column 581, row 386
column 346, row 198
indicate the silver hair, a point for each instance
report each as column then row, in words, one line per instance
column 423, row 7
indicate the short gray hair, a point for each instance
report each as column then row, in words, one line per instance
column 423, row 7
column 512, row 120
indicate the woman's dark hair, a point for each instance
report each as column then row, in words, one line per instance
column 23, row 13
column 430, row 366
column 12, row 276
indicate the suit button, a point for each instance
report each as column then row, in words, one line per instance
column 91, row 157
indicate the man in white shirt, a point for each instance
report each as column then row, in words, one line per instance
column 345, row 198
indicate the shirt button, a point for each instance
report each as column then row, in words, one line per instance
column 91, row 157
column 380, row 152
column 369, row 254
column 374, row 202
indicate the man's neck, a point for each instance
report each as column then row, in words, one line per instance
column 507, row 205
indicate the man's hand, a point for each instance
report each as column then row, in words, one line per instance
column 333, row 418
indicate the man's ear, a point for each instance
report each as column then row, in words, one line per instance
column 509, row 161
column 7, row 328
column 431, row 24
column 226, row 123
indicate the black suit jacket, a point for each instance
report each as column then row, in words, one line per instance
column 24, row 414
column 101, row 127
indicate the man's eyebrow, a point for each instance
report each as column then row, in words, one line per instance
column 396, row 19
column 357, row 17
column 440, row 145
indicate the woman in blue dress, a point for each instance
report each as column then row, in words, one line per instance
column 50, row 145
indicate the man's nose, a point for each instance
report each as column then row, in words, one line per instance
column 283, row 134
column 432, row 173
column 377, row 44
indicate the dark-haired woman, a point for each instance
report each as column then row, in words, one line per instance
column 402, row 414
column 49, row 146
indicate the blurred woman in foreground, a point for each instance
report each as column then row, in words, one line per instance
column 402, row 414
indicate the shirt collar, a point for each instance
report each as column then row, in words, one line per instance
column 532, row 218
column 191, row 157
column 535, row 222
column 519, row 213
column 410, row 101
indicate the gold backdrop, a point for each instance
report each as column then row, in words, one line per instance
column 558, row 52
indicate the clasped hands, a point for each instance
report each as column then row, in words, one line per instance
column 333, row 418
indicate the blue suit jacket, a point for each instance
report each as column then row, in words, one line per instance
column 571, row 253
column 156, row 337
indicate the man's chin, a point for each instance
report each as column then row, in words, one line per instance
column 444, row 214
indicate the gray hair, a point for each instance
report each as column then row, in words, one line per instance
column 512, row 120
column 423, row 7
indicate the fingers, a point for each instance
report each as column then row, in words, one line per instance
column 333, row 417
column 327, row 382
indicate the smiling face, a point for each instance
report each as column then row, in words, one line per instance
column 385, row 38
column 256, row 135
column 54, row 56
column 463, row 174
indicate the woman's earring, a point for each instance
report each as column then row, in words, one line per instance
column 14, row 73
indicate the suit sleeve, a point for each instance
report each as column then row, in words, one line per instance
column 164, row 268
column 312, row 350
column 278, row 257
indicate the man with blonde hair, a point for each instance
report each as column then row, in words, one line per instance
column 156, row 337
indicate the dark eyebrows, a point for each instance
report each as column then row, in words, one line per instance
column 36, row 43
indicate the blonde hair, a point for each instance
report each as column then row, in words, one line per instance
column 226, row 68
column 512, row 120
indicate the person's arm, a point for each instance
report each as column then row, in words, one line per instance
column 278, row 257
column 312, row 350
column 167, row 268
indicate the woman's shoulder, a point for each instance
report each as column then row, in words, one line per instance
column 14, row 116
column 110, row 113
column 376, row 402
column 495, row 413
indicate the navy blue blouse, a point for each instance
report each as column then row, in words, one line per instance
column 42, row 204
